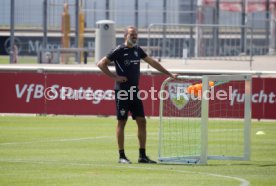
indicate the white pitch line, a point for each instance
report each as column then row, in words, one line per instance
column 58, row 140
column 243, row 182
column 68, row 139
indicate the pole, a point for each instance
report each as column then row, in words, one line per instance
column 267, row 22
column 164, row 28
column 81, row 30
column 94, row 14
column 77, row 29
column 45, row 39
column 12, row 32
column 136, row 13
column 107, row 16
column 216, row 29
column 272, row 45
column 198, row 32
column 243, row 18
column 65, row 30
column 147, row 14
column 192, row 15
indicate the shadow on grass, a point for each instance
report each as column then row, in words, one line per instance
column 217, row 164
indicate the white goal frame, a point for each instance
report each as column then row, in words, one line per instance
column 204, row 156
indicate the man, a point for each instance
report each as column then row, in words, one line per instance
column 127, row 64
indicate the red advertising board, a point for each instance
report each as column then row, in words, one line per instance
column 92, row 94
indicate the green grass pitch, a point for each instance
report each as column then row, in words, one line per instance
column 22, row 59
column 69, row 151
column 4, row 59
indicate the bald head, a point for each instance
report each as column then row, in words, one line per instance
column 128, row 29
column 130, row 36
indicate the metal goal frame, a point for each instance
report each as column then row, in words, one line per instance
column 204, row 156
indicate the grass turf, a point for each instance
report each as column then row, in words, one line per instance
column 4, row 59
column 67, row 150
column 22, row 60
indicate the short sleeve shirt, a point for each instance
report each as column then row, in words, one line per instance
column 127, row 63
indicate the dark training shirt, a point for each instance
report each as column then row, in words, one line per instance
column 127, row 63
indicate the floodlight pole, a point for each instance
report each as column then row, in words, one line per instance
column 12, row 32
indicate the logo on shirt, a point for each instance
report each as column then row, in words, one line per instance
column 126, row 62
column 136, row 53
column 122, row 112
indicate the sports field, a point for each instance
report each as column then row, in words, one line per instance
column 4, row 59
column 69, row 150
column 23, row 60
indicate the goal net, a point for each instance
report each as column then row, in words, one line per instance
column 205, row 117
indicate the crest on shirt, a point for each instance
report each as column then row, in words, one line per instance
column 126, row 62
column 136, row 53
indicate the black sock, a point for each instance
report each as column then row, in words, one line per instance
column 122, row 153
column 142, row 153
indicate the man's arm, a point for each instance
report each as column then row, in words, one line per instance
column 158, row 67
column 103, row 65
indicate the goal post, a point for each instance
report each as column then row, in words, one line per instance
column 213, row 124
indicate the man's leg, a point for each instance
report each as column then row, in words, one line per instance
column 120, row 133
column 137, row 110
column 122, row 115
column 142, row 137
column 142, row 131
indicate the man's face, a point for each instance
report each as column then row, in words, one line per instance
column 132, row 36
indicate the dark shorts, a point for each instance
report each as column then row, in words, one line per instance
column 132, row 104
